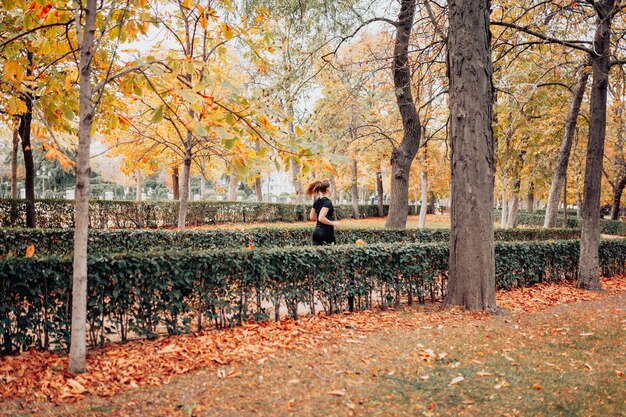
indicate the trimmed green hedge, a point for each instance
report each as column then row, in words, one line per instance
column 60, row 242
column 142, row 294
column 609, row 227
column 150, row 214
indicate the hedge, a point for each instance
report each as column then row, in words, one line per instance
column 60, row 242
column 143, row 294
column 609, row 227
column 150, row 214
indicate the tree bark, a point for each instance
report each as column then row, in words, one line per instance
column 297, row 184
column 564, row 152
column 232, row 185
column 402, row 156
column 14, row 150
column 355, row 191
column 514, row 206
column 203, row 179
column 530, row 198
column 27, row 150
column 565, row 203
column 257, row 181
column 380, row 194
column 589, row 263
column 184, row 192
column 505, row 180
column 175, row 184
column 333, row 188
column 138, row 193
column 472, row 263
column 78, row 347
column 617, row 196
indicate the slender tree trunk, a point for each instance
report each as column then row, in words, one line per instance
column 566, row 147
column 505, row 181
column 579, row 205
column 472, row 265
column 514, row 206
column 29, row 164
column 184, row 192
column 589, row 263
column 232, row 185
column 333, row 187
column 139, row 185
column 14, row 150
column 203, row 180
column 380, row 194
column 297, row 183
column 355, row 191
column 257, row 181
column 402, row 156
column 78, row 347
column 424, row 205
column 617, row 196
column 175, row 184
column 530, row 198
column 565, row 203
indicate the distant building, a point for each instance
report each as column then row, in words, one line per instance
column 276, row 184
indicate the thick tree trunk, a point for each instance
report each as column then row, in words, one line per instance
column 617, row 196
column 589, row 263
column 472, row 265
column 514, row 206
column 138, row 185
column 355, row 191
column 566, row 147
column 530, row 198
column 78, row 347
column 184, row 192
column 14, row 150
column 175, row 184
column 380, row 194
column 402, row 156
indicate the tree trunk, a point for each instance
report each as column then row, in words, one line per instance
column 514, row 206
column 355, row 191
column 579, row 205
column 333, row 187
column 424, row 205
column 78, row 347
column 530, row 198
column 29, row 164
column 184, row 192
column 257, row 181
column 617, row 196
column 297, row 184
column 203, row 180
column 565, row 203
column 566, row 147
column 589, row 263
column 175, row 184
column 138, row 193
column 505, row 181
column 403, row 155
column 380, row 194
column 14, row 150
column 232, row 185
column 471, row 280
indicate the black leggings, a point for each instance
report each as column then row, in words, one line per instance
column 323, row 236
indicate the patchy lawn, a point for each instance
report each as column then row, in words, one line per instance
column 554, row 351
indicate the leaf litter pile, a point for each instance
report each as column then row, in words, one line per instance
column 43, row 376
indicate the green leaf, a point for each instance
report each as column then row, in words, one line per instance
column 157, row 116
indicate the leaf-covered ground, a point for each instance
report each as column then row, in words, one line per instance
column 555, row 350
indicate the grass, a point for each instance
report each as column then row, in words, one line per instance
column 567, row 360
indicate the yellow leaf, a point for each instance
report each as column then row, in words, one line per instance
column 227, row 31
column 30, row 251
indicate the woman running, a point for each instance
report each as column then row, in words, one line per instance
column 322, row 212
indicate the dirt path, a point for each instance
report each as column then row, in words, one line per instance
column 567, row 360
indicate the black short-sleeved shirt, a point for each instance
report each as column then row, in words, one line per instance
column 320, row 203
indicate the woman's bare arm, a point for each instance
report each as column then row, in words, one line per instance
column 322, row 218
column 312, row 214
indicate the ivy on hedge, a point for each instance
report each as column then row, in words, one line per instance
column 60, row 242
column 151, row 214
column 144, row 294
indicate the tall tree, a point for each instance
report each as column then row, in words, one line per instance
column 472, row 264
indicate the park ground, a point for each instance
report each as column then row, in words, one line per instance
column 553, row 351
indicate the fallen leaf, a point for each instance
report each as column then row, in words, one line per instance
column 483, row 373
column 457, row 380
column 337, row 393
column 537, row 386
